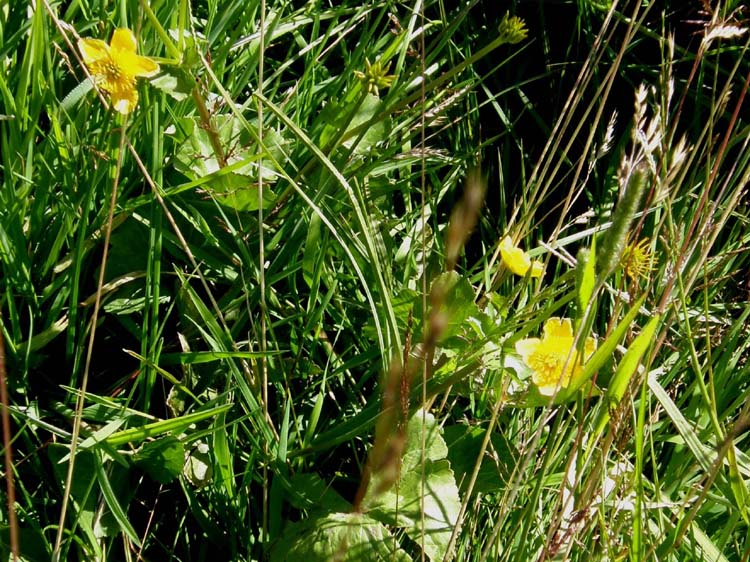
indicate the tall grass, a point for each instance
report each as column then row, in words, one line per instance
column 266, row 315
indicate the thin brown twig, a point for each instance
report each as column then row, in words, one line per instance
column 8, row 454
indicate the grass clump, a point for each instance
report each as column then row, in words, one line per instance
column 365, row 281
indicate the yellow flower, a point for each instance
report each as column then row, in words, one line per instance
column 517, row 260
column 636, row 259
column 115, row 67
column 553, row 359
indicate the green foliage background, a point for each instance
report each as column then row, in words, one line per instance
column 280, row 216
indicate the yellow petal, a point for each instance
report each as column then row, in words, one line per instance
column 526, row 347
column 545, row 388
column 537, row 268
column 558, row 328
column 93, row 50
column 136, row 65
column 514, row 258
column 123, row 40
column 125, row 101
column 589, row 348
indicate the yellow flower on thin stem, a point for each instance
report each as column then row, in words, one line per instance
column 636, row 260
column 517, row 260
column 552, row 359
column 116, row 66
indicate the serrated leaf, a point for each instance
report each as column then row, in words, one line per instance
column 403, row 503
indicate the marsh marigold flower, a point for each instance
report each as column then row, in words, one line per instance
column 116, row 66
column 517, row 260
column 552, row 359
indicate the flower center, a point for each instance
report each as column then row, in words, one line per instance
column 548, row 366
column 111, row 77
column 636, row 259
column 112, row 71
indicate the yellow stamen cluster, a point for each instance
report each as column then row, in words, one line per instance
column 637, row 260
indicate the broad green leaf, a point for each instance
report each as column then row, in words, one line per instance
column 234, row 185
column 162, row 459
column 174, row 81
column 198, row 468
column 191, row 43
column 309, row 491
column 33, row 545
column 345, row 537
column 82, row 488
column 113, row 499
column 240, row 192
column 374, row 132
column 458, row 303
column 348, row 120
column 402, row 505
column 464, row 444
